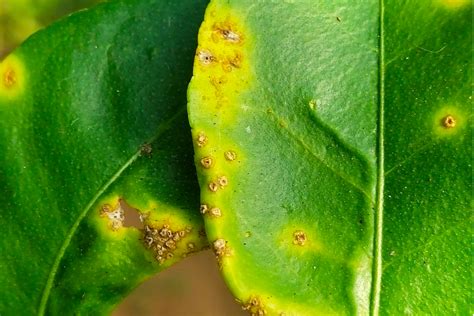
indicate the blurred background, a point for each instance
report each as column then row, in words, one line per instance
column 192, row 287
column 21, row 18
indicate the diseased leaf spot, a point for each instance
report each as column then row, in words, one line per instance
column 205, row 57
column 201, row 140
column 222, row 180
column 221, row 183
column 115, row 215
column 9, row 78
column 232, row 62
column 213, row 186
column 254, row 306
column 204, row 208
column 230, row 155
column 213, row 212
column 227, row 31
column 449, row 121
column 12, row 76
column 163, row 241
column 206, row 162
column 299, row 238
column 146, row 150
column 221, row 249
column 230, row 36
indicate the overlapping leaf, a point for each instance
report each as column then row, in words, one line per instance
column 92, row 117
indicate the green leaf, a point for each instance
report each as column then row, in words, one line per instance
column 93, row 117
column 334, row 140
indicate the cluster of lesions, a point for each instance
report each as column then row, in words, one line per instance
column 222, row 36
column 220, row 56
column 211, row 165
column 254, row 307
column 164, row 240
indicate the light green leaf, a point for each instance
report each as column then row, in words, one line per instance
column 93, row 117
column 333, row 146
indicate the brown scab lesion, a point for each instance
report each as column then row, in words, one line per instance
column 223, row 181
column 254, row 307
column 201, row 140
column 215, row 212
column 448, row 121
column 115, row 215
column 210, row 211
column 230, row 155
column 232, row 62
column 203, row 208
column 206, row 162
column 164, row 241
column 218, row 82
column 146, row 150
column 9, row 78
column 213, row 187
column 205, row 57
column 226, row 31
column 220, row 183
column 230, row 36
column 221, row 249
column 299, row 238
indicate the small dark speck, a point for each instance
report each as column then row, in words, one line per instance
column 338, row 19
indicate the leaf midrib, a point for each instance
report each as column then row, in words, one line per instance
column 378, row 225
column 52, row 273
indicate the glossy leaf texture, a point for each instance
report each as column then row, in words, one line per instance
column 93, row 121
column 333, row 147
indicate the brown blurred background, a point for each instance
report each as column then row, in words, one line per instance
column 192, row 287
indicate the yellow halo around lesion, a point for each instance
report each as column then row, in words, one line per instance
column 12, row 77
column 449, row 120
column 453, row 4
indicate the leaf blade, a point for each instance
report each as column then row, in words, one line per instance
column 88, row 94
column 316, row 82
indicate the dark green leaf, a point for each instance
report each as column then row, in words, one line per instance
column 92, row 117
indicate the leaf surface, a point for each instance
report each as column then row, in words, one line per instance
column 93, row 121
column 334, row 138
